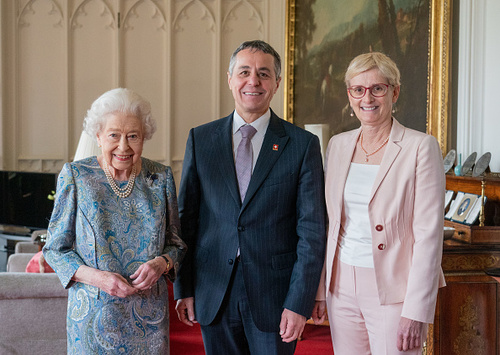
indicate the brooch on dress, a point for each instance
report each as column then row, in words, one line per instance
column 150, row 178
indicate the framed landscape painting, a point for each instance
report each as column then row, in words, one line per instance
column 323, row 36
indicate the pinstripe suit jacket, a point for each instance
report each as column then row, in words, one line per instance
column 279, row 227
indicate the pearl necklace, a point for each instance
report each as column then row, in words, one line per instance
column 127, row 190
column 375, row 151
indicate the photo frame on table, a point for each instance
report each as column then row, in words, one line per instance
column 323, row 36
column 464, row 207
column 454, row 205
column 448, row 197
column 475, row 211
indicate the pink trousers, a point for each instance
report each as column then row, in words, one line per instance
column 359, row 324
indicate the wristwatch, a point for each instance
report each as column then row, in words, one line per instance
column 167, row 261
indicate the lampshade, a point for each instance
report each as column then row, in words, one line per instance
column 87, row 147
column 323, row 133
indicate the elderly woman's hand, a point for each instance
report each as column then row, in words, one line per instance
column 110, row 282
column 115, row 285
column 148, row 273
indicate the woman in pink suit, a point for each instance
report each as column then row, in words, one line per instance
column 384, row 192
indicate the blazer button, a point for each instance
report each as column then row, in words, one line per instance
column 241, row 228
column 230, row 261
column 379, row 227
column 381, row 246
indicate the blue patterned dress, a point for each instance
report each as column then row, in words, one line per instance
column 92, row 226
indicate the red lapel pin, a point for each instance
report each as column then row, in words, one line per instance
column 275, row 147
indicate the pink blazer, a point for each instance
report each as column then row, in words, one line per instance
column 406, row 213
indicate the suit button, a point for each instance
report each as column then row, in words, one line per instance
column 381, row 246
column 230, row 261
column 379, row 227
column 241, row 228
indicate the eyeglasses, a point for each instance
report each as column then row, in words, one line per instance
column 377, row 90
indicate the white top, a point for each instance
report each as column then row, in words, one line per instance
column 355, row 241
column 259, row 124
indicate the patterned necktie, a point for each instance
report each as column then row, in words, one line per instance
column 244, row 159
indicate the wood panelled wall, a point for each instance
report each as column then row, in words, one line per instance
column 58, row 56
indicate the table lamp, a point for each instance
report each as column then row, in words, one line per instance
column 87, row 147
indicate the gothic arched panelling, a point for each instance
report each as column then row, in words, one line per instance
column 243, row 15
column 194, row 79
column 183, row 14
column 27, row 10
column 156, row 15
column 243, row 22
column 144, row 40
column 40, row 82
column 60, row 55
column 92, row 57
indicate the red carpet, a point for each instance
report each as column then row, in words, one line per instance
column 186, row 340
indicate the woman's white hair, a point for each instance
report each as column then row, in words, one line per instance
column 119, row 100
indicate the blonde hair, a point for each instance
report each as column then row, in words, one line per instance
column 367, row 61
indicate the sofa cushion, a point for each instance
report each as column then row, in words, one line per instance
column 17, row 262
column 29, row 285
column 38, row 264
column 26, row 247
column 33, row 314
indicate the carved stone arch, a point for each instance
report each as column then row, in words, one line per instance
column 80, row 10
column 28, row 9
column 206, row 15
column 132, row 12
column 254, row 14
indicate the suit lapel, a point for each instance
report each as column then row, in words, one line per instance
column 273, row 145
column 223, row 147
column 340, row 171
column 391, row 152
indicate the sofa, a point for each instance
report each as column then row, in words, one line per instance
column 32, row 310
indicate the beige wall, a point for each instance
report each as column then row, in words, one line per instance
column 59, row 55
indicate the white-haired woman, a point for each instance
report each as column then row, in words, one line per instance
column 384, row 193
column 114, row 233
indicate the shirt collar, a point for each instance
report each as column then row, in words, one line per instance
column 260, row 124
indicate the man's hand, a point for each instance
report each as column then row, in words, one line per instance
column 291, row 326
column 409, row 334
column 319, row 312
column 185, row 310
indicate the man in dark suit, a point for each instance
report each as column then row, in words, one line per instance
column 255, row 253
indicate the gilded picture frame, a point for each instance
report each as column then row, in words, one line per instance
column 438, row 48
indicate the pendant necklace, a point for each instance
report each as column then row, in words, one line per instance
column 127, row 190
column 375, row 151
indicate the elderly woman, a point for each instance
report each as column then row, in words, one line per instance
column 384, row 192
column 114, row 235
